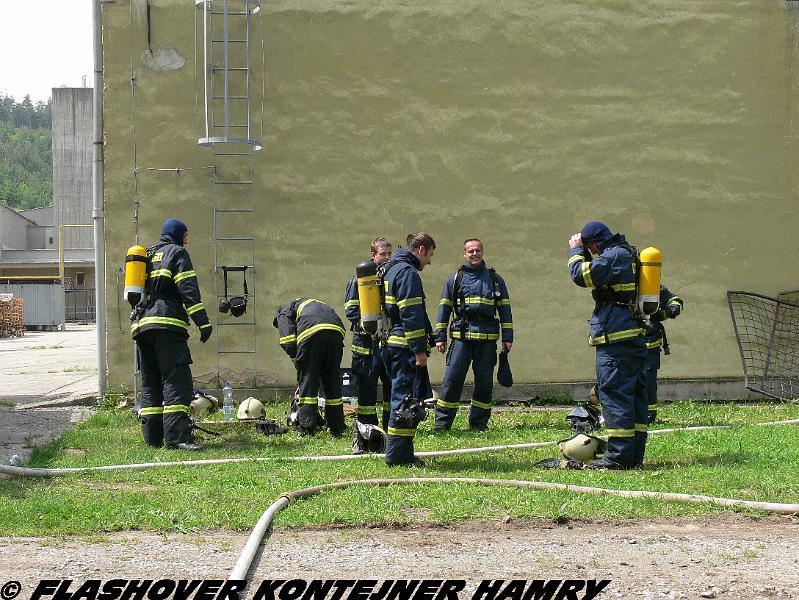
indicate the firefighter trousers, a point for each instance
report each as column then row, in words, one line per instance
column 369, row 369
column 482, row 356
column 319, row 360
column 166, row 387
column 651, row 367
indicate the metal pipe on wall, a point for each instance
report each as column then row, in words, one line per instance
column 97, row 188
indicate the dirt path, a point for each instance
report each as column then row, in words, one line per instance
column 730, row 556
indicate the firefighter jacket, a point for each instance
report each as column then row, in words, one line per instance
column 670, row 307
column 298, row 321
column 404, row 303
column 361, row 341
column 611, row 275
column 476, row 296
column 172, row 292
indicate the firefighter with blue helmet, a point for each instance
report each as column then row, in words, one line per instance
column 160, row 326
column 312, row 334
column 606, row 263
column 671, row 306
column 476, row 300
column 367, row 364
column 405, row 349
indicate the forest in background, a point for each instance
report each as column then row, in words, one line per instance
column 26, row 160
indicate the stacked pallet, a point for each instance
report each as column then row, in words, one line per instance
column 11, row 323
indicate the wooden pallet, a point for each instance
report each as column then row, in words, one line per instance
column 11, row 318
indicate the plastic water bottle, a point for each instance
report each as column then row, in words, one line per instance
column 227, row 402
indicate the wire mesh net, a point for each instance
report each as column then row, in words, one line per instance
column 767, row 330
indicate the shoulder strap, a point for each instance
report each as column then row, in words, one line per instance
column 458, row 299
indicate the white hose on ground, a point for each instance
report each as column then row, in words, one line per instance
column 57, row 472
column 242, row 566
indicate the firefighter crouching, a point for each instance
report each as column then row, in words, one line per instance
column 476, row 295
column 312, row 334
column 160, row 326
column 670, row 308
column 367, row 364
column 406, row 347
column 618, row 335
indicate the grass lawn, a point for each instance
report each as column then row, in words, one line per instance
column 748, row 461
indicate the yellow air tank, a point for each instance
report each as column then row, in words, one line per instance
column 369, row 296
column 135, row 274
column 649, row 280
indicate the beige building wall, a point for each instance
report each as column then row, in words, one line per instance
column 514, row 121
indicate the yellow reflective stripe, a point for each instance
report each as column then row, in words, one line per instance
column 350, row 303
column 445, row 404
column 401, row 432
column 159, row 321
column 471, row 335
column 389, row 299
column 653, row 345
column 416, row 333
column 333, row 402
column 367, row 410
column 652, row 407
column 507, row 325
column 361, row 350
column 586, row 272
column 195, row 308
column 152, row 410
column 206, row 326
column 478, row 404
column 307, row 400
column 623, row 287
column 445, row 302
column 176, row 408
column 304, row 304
column 640, row 427
column 161, row 273
column 312, row 330
column 576, row 258
column 505, row 302
column 440, row 326
column 620, row 433
column 676, row 300
column 479, row 300
column 396, row 340
column 288, row 339
column 410, row 302
column 184, row 275
column 616, row 336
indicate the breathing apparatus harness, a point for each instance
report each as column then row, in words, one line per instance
column 459, row 299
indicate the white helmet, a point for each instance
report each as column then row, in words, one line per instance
column 582, row 447
column 251, row 408
column 201, row 404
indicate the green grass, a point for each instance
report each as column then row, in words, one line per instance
column 747, row 461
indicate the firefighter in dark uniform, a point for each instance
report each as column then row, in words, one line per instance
column 618, row 335
column 160, row 326
column 476, row 295
column 312, row 334
column 367, row 364
column 406, row 347
column 670, row 308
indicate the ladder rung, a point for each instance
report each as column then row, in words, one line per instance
column 232, row 181
column 235, row 239
column 229, row 126
column 229, row 41
column 229, row 69
column 239, row 13
column 233, row 210
column 235, row 351
column 230, row 97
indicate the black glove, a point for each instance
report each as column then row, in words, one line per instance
column 658, row 316
column 205, row 333
column 672, row 311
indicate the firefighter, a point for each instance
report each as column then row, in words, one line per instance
column 406, row 347
column 617, row 332
column 312, row 334
column 671, row 306
column 367, row 364
column 160, row 326
column 476, row 295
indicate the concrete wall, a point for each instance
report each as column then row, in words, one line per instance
column 13, row 228
column 513, row 120
column 72, row 164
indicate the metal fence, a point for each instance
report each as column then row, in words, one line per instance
column 767, row 330
column 79, row 305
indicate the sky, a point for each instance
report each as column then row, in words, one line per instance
column 54, row 50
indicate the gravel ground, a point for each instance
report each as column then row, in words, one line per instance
column 730, row 556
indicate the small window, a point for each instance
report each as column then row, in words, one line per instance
column 51, row 241
column 80, row 279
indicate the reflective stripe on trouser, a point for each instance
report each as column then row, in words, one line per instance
column 622, row 392
column 651, row 367
column 368, row 370
column 483, row 358
column 166, row 389
column 401, row 366
column 319, row 361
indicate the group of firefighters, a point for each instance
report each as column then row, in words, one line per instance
column 474, row 316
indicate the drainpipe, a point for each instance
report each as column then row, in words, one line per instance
column 97, row 196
